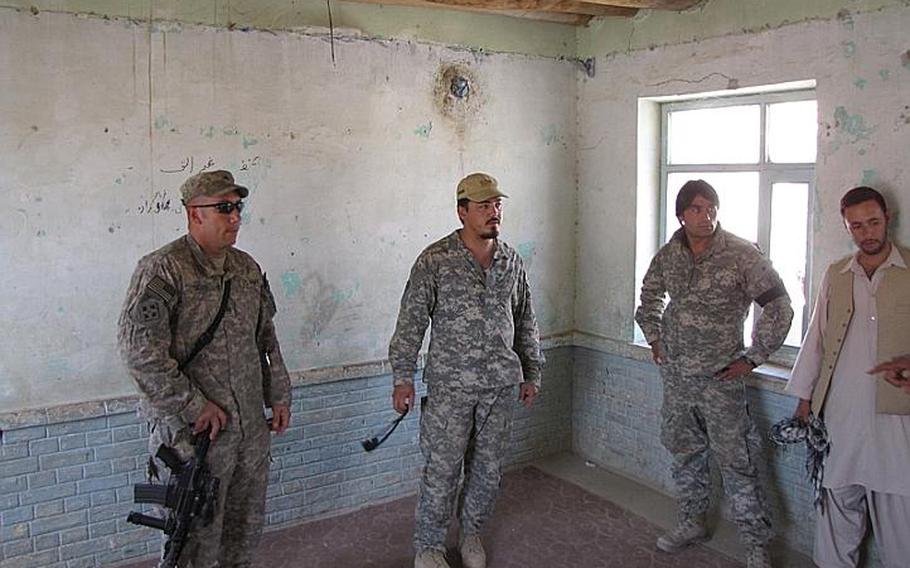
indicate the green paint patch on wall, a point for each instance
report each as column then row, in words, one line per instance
column 161, row 122
column 526, row 249
column 848, row 48
column 424, row 130
column 339, row 296
column 870, row 177
column 853, row 125
column 884, row 74
column 291, row 283
column 860, row 83
column 550, row 135
column 249, row 141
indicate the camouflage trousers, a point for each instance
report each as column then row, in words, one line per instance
column 701, row 417
column 241, row 461
column 464, row 435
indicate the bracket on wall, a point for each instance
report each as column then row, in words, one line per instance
column 587, row 65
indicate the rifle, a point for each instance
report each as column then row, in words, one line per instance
column 191, row 494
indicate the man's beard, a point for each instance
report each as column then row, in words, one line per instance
column 879, row 248
column 492, row 233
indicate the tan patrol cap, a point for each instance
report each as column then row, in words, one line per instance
column 210, row 184
column 478, row 187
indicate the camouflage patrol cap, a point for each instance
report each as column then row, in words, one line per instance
column 478, row 187
column 211, row 184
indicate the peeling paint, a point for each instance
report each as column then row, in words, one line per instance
column 208, row 132
column 860, row 83
column 884, row 74
column 161, row 122
column 249, row 141
column 458, row 110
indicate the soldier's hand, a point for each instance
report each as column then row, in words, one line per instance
column 737, row 368
column 802, row 410
column 657, row 353
column 527, row 392
column 213, row 416
column 403, row 398
column 281, row 418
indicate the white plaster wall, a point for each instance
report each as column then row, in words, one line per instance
column 351, row 167
column 862, row 68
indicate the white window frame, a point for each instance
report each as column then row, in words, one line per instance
column 769, row 174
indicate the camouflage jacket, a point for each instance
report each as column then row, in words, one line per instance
column 174, row 296
column 483, row 333
column 701, row 328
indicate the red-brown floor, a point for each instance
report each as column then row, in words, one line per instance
column 540, row 522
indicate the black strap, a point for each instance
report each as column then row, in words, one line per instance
column 209, row 333
column 771, row 294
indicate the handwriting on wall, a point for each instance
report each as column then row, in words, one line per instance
column 161, row 200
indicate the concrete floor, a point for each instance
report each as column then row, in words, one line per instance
column 559, row 512
column 653, row 506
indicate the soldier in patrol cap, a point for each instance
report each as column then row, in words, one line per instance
column 484, row 354
column 711, row 277
column 177, row 293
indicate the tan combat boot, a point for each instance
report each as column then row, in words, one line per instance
column 687, row 532
column 472, row 553
column 430, row 558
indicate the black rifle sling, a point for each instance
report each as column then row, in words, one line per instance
column 209, row 333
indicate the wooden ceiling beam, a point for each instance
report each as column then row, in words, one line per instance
column 559, row 6
column 674, row 5
column 574, row 12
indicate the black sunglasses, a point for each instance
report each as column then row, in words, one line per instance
column 224, row 207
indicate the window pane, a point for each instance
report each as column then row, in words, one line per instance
column 792, row 131
column 789, row 211
column 726, row 135
column 738, row 193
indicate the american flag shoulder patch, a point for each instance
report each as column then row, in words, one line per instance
column 159, row 287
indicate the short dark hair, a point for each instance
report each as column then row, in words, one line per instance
column 692, row 189
column 859, row 194
column 463, row 202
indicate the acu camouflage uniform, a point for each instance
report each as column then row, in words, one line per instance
column 700, row 332
column 483, row 342
column 174, row 295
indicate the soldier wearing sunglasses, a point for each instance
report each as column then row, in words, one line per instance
column 197, row 337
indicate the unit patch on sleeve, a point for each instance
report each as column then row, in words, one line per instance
column 149, row 310
column 155, row 303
